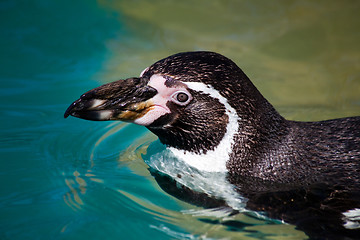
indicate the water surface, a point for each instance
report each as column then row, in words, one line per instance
column 75, row 179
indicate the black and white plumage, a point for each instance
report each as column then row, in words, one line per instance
column 202, row 104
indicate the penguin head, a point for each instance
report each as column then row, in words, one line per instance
column 189, row 100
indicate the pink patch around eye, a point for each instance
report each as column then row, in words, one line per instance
column 159, row 101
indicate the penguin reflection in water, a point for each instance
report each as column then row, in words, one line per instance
column 207, row 112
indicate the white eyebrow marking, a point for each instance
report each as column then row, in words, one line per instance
column 143, row 71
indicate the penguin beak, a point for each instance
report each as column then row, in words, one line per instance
column 124, row 100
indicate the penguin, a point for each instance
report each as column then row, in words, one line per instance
column 204, row 108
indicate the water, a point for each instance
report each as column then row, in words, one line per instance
column 75, row 179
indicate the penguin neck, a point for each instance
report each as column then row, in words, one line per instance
column 206, row 148
column 262, row 135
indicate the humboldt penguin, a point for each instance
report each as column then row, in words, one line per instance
column 201, row 105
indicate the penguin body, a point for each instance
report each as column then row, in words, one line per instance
column 210, row 115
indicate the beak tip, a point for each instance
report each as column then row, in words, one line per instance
column 69, row 110
column 87, row 110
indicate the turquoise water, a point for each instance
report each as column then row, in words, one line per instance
column 75, row 179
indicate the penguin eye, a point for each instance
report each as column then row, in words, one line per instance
column 181, row 98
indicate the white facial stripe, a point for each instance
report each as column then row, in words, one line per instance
column 352, row 219
column 143, row 71
column 215, row 160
